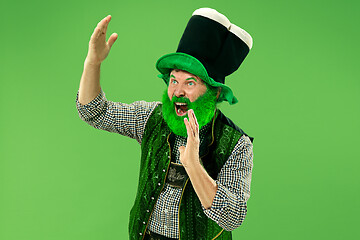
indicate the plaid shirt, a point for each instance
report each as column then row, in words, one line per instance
column 228, row 209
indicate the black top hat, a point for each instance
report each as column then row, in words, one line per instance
column 211, row 48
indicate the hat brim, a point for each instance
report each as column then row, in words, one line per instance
column 188, row 63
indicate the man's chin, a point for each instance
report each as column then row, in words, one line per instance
column 176, row 123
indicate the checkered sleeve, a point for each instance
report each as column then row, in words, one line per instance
column 125, row 119
column 229, row 208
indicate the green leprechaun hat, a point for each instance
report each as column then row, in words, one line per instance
column 211, row 48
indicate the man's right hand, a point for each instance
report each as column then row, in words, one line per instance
column 98, row 47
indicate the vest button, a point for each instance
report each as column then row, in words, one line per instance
column 147, row 210
column 140, row 234
column 163, row 170
column 152, row 198
column 159, row 184
column 144, row 223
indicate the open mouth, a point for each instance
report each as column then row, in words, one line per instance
column 181, row 108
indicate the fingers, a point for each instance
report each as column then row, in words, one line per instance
column 101, row 28
column 103, row 24
column 95, row 34
column 189, row 130
column 193, row 122
column 192, row 125
column 196, row 124
column 107, row 20
column 112, row 39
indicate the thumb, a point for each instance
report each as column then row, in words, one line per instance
column 181, row 150
column 112, row 39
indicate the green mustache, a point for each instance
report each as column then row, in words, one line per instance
column 181, row 100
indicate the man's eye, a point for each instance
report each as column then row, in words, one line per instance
column 173, row 81
column 190, row 83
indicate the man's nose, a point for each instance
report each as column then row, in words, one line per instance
column 179, row 91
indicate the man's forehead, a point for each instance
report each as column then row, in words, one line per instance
column 183, row 71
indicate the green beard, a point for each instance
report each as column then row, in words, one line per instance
column 204, row 109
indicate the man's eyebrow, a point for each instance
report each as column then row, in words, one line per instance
column 192, row 79
column 172, row 76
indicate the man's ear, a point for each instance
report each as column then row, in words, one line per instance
column 218, row 93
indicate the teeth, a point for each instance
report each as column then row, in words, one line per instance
column 181, row 104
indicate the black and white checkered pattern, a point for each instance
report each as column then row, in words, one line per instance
column 125, row 119
column 164, row 219
column 229, row 205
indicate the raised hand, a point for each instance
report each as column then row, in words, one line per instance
column 189, row 155
column 98, row 47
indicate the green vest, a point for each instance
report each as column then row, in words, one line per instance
column 155, row 160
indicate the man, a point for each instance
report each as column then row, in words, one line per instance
column 196, row 163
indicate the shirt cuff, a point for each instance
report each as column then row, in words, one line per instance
column 218, row 203
column 225, row 208
column 92, row 108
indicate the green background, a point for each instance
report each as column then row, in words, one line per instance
column 298, row 92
